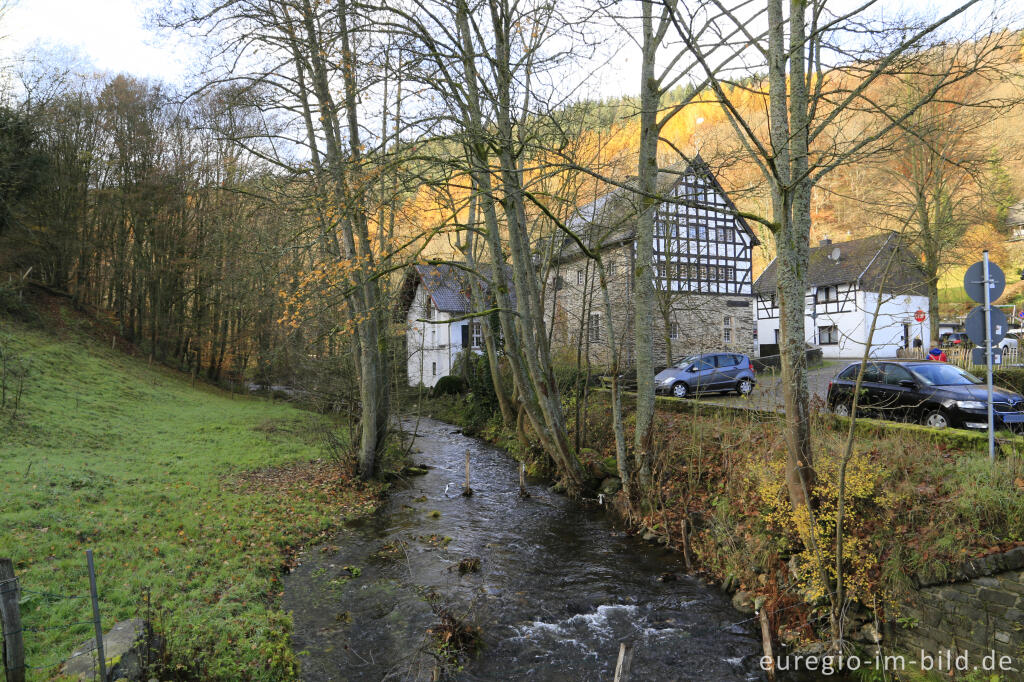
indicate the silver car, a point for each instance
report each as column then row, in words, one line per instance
column 722, row 372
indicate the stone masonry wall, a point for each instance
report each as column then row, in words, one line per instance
column 980, row 613
column 573, row 293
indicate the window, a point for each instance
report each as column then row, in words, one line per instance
column 579, row 277
column 776, row 337
column 428, row 308
column 433, row 369
column 477, row 335
column 594, row 327
column 894, row 374
column 828, row 294
column 673, row 330
column 727, row 328
column 828, row 336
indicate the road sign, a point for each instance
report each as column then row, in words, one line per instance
column 920, row 315
column 975, row 325
column 978, row 356
column 973, row 282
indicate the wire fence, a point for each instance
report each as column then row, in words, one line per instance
column 16, row 664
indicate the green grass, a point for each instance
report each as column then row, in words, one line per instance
column 157, row 479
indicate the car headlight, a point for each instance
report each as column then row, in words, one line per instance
column 970, row 405
column 669, row 380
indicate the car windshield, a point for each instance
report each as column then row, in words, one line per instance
column 686, row 362
column 944, row 375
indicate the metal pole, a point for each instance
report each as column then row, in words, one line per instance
column 97, row 626
column 988, row 358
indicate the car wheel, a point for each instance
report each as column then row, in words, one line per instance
column 841, row 409
column 745, row 386
column 680, row 390
column 936, row 419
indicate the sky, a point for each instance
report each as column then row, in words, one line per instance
column 111, row 34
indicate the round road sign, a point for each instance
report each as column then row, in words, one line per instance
column 973, row 282
column 975, row 325
column 920, row 315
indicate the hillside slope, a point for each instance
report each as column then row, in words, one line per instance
column 106, row 453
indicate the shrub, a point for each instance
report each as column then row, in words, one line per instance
column 449, row 385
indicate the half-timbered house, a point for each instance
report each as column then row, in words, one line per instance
column 702, row 266
column 845, row 282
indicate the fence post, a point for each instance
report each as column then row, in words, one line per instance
column 97, row 626
column 10, row 618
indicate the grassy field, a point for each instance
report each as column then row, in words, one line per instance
column 193, row 495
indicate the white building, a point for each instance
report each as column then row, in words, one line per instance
column 436, row 301
column 846, row 281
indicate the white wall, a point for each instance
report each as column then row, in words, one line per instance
column 429, row 346
column 896, row 309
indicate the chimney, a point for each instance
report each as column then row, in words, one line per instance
column 825, row 242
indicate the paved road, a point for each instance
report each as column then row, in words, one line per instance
column 767, row 395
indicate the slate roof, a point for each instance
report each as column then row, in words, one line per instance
column 447, row 284
column 865, row 260
column 611, row 218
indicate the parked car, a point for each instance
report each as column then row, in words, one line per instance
column 722, row 372
column 935, row 394
column 1010, row 342
column 954, row 340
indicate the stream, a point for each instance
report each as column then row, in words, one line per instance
column 558, row 586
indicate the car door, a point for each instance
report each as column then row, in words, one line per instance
column 728, row 367
column 704, row 372
column 872, row 390
column 902, row 397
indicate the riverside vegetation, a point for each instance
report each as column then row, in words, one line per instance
column 918, row 501
column 196, row 495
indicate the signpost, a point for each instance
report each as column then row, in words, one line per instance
column 986, row 326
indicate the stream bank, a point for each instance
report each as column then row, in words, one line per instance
column 557, row 587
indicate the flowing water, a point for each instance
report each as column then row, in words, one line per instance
column 558, row 587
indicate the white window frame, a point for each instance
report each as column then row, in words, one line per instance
column 476, row 334
column 673, row 330
column 579, row 277
column 727, row 328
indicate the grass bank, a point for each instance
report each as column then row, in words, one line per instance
column 194, row 495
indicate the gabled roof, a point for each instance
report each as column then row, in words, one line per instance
column 447, row 284
column 866, row 260
column 611, row 218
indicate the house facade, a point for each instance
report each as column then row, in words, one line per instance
column 846, row 281
column 435, row 300
column 702, row 265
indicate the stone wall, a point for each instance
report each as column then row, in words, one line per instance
column 573, row 294
column 981, row 612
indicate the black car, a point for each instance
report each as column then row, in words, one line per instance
column 932, row 393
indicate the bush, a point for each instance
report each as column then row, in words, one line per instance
column 13, row 301
column 1011, row 378
column 449, row 385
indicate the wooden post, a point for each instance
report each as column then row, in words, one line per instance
column 96, row 624
column 766, row 642
column 10, row 618
column 467, row 491
column 625, row 660
column 522, row 480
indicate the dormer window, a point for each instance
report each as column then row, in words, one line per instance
column 828, row 294
column 428, row 308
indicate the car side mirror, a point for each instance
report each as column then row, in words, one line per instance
column 907, row 383
column 691, row 368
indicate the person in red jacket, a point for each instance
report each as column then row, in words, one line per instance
column 937, row 354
